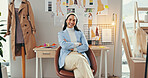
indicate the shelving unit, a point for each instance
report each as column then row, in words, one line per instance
column 136, row 17
column 136, row 20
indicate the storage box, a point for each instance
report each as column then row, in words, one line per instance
column 137, row 68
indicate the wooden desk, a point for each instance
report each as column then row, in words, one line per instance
column 50, row 53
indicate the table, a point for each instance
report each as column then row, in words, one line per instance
column 50, row 53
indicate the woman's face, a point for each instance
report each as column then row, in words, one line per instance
column 71, row 21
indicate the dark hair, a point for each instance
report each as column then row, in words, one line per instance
column 65, row 24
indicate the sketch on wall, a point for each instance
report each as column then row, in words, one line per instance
column 70, row 2
column 102, row 7
column 94, row 33
column 90, row 19
column 70, row 10
column 48, row 6
column 89, row 16
column 58, row 7
column 90, row 2
column 87, row 10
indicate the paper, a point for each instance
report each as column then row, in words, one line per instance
column 48, row 5
column 94, row 33
column 106, row 35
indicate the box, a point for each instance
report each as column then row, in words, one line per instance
column 137, row 68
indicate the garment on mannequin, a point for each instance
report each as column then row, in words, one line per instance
column 21, row 27
column 19, row 40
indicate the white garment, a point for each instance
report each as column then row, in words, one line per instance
column 78, row 63
column 140, row 42
column 73, row 38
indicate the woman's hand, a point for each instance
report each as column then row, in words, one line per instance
column 65, row 40
column 71, row 49
column 80, row 44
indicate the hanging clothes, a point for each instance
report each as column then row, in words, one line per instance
column 18, row 33
column 26, row 20
column 84, row 3
column 140, row 43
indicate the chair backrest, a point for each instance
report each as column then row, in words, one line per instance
column 92, row 59
column 126, row 52
column 67, row 74
column 127, row 40
column 126, row 45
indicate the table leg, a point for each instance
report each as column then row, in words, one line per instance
column 105, row 64
column 36, row 66
column 41, row 67
column 100, row 63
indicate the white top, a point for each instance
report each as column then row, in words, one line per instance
column 17, row 3
column 73, row 38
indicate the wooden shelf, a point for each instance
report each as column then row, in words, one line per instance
column 141, row 21
column 142, row 8
column 145, row 29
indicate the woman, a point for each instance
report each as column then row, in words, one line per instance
column 74, row 44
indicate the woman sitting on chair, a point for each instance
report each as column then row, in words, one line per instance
column 74, row 44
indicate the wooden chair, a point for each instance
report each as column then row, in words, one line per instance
column 69, row 74
column 136, row 65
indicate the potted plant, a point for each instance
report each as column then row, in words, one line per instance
column 2, row 32
column 146, row 17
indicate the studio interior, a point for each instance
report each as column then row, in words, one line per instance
column 73, row 38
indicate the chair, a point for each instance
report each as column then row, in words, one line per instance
column 136, row 65
column 69, row 74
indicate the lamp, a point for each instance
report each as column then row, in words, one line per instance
column 114, row 23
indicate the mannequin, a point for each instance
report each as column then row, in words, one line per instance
column 17, row 3
column 19, row 39
column 22, row 25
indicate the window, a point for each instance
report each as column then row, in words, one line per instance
column 128, row 17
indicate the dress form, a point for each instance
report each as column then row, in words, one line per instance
column 17, row 4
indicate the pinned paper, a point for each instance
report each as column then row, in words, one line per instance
column 64, row 3
column 106, row 35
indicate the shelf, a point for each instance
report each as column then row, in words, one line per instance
column 145, row 29
column 141, row 21
column 143, row 9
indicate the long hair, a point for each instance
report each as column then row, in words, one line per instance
column 65, row 24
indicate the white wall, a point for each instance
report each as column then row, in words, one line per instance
column 46, row 32
column 4, row 11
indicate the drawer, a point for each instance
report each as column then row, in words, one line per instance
column 96, row 52
column 46, row 54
